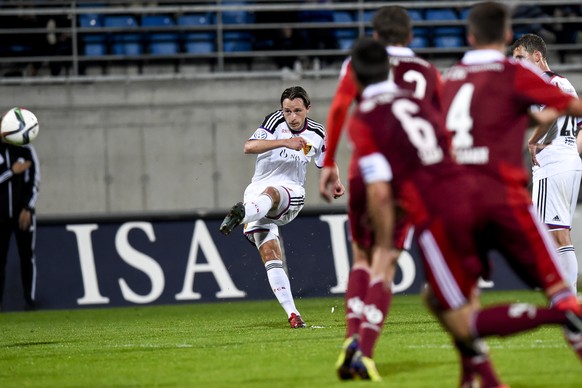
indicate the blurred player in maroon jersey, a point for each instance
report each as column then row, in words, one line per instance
column 486, row 101
column 402, row 149
column 393, row 29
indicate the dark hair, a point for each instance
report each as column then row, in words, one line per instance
column 393, row 25
column 296, row 92
column 488, row 22
column 531, row 43
column 369, row 61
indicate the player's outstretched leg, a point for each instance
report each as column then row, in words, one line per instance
column 364, row 367
column 344, row 361
column 232, row 219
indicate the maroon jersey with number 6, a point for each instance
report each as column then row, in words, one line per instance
column 437, row 194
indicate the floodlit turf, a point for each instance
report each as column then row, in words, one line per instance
column 249, row 344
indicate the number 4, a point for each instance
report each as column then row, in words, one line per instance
column 459, row 118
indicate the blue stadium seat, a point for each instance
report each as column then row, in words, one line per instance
column 95, row 49
column 236, row 16
column 198, row 42
column 160, row 43
column 368, row 16
column 89, row 20
column 448, row 41
column 444, row 14
column 417, row 15
column 199, row 47
column 419, row 42
column 237, row 41
column 344, row 33
column 464, row 13
column 93, row 44
column 124, row 43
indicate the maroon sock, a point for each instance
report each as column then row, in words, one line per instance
column 476, row 364
column 358, row 283
column 376, row 306
column 467, row 371
column 514, row 318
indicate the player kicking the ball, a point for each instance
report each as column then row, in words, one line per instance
column 285, row 143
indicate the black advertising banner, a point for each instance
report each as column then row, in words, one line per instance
column 167, row 260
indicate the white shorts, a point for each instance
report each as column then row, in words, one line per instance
column 291, row 203
column 555, row 198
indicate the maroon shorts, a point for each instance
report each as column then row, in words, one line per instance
column 360, row 224
column 512, row 228
column 455, row 243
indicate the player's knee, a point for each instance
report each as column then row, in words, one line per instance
column 562, row 237
column 362, row 257
column 273, row 192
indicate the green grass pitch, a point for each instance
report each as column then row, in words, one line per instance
column 249, row 344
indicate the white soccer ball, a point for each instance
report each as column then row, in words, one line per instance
column 19, row 126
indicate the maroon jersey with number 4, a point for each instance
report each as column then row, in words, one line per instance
column 487, row 98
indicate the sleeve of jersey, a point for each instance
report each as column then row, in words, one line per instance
column 343, row 98
column 375, row 168
column 372, row 163
column 262, row 134
column 537, row 91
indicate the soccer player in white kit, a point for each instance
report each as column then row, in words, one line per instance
column 556, row 163
column 286, row 142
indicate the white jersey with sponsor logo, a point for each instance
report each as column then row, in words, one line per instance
column 284, row 166
column 560, row 153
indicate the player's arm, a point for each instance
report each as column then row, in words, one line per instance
column 258, row 146
column 537, row 91
column 31, row 188
column 345, row 94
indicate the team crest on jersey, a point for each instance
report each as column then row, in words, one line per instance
column 259, row 134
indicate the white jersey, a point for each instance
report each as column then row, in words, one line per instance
column 560, row 153
column 284, row 166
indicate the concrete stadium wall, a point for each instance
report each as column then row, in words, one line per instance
column 153, row 146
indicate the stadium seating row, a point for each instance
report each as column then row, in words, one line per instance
column 136, row 35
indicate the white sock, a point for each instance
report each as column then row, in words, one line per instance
column 569, row 265
column 280, row 285
column 257, row 208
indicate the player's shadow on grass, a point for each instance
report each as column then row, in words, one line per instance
column 395, row 368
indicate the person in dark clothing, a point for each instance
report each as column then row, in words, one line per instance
column 19, row 182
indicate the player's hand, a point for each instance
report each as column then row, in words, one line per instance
column 532, row 154
column 338, row 189
column 21, row 166
column 25, row 219
column 328, row 184
column 534, row 149
column 297, row 143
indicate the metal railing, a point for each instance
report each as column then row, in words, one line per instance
column 76, row 60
